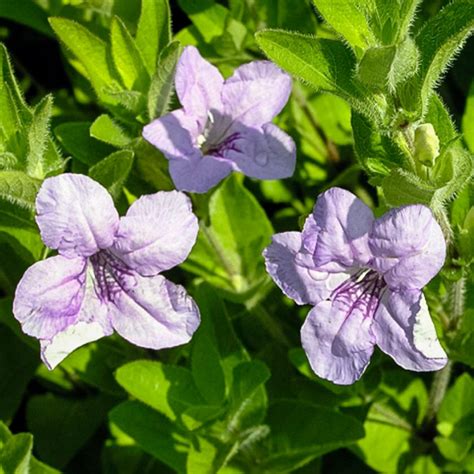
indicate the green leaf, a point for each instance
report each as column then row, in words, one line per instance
column 207, row 371
column 105, row 129
column 95, row 364
column 216, row 325
column 453, row 170
column 113, row 171
column 386, row 439
column 126, row 56
column 28, row 13
column 128, row 459
column 468, row 120
column 325, row 64
column 154, row 31
column 167, row 388
column 15, row 455
column 248, row 399
column 384, row 67
column 350, row 20
column 438, row 42
column 439, row 117
column 301, row 431
column 453, row 449
column 153, row 432
column 38, row 136
column 409, row 397
column 133, row 101
column 43, row 158
column 401, row 187
column 7, row 160
column 201, row 458
column 76, row 140
column 215, row 25
column 18, row 363
column 162, row 83
column 152, row 166
column 90, row 50
column 15, row 451
column 15, row 112
column 287, row 14
column 228, row 251
column 376, row 153
column 62, row 426
column 18, row 229
column 405, row 63
column 334, row 117
column 7, row 80
column 18, row 188
column 374, row 68
column 458, row 400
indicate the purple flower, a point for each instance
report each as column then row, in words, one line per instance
column 364, row 278
column 224, row 126
column 106, row 276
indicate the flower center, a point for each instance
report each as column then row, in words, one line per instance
column 217, row 146
column 112, row 275
column 202, row 139
column 361, row 291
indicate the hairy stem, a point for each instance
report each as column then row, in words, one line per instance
column 443, row 220
column 437, row 393
column 441, row 378
column 390, row 417
column 456, row 300
column 271, row 325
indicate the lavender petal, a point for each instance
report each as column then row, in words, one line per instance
column 152, row 312
column 49, row 296
column 408, row 247
column 264, row 153
column 344, row 222
column 256, row 93
column 302, row 284
column 157, row 233
column 404, row 330
column 198, row 83
column 76, row 215
column 338, row 342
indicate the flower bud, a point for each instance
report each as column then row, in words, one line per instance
column 426, row 144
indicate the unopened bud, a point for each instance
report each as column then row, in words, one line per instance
column 426, row 144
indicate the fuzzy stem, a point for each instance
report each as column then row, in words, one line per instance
column 457, row 301
column 437, row 393
column 271, row 326
column 443, row 221
column 441, row 378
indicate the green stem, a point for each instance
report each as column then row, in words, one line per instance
column 226, row 263
column 443, row 221
column 270, row 324
column 457, row 301
column 441, row 379
column 390, row 417
column 437, row 393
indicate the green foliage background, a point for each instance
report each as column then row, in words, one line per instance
column 78, row 81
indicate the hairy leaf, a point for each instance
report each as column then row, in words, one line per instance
column 154, row 31
column 327, row 65
column 126, row 56
column 107, row 130
column 113, row 171
column 89, row 49
column 18, row 188
column 162, row 83
column 438, row 42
